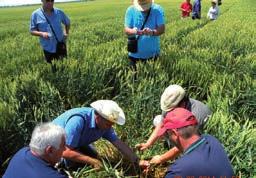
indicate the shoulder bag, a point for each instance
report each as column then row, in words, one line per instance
column 132, row 43
column 61, row 48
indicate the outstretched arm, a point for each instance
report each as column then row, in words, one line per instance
column 130, row 31
column 169, row 155
column 159, row 30
column 126, row 150
column 152, row 139
column 41, row 34
column 76, row 156
column 66, row 30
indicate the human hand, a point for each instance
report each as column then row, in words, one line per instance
column 144, row 165
column 147, row 31
column 140, row 32
column 96, row 163
column 65, row 36
column 142, row 146
column 156, row 160
column 45, row 35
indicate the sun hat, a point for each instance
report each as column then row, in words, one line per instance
column 142, row 5
column 177, row 118
column 109, row 110
column 171, row 97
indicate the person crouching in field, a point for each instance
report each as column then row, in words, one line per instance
column 46, row 23
column 186, row 8
column 213, row 12
column 172, row 97
column 203, row 155
column 86, row 125
column 38, row 160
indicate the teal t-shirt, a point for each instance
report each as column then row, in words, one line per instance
column 148, row 46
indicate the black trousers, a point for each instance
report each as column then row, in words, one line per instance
column 133, row 61
column 49, row 57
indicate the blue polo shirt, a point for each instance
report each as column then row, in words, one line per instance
column 81, row 131
column 24, row 165
column 148, row 46
column 204, row 158
column 38, row 22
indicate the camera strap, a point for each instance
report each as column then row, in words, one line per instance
column 145, row 21
column 50, row 26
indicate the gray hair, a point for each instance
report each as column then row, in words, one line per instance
column 46, row 134
column 188, row 131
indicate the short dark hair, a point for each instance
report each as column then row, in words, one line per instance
column 185, row 100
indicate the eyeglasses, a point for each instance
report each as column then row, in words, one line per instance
column 49, row 0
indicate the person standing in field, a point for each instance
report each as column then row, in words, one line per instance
column 186, row 8
column 46, row 22
column 86, row 125
column 38, row 160
column 203, row 155
column 213, row 12
column 144, row 23
column 196, row 10
column 172, row 97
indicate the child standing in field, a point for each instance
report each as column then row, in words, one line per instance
column 213, row 11
column 186, row 8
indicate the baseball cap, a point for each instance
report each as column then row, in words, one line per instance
column 177, row 118
column 171, row 97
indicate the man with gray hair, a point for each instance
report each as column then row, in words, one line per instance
column 44, row 151
column 175, row 96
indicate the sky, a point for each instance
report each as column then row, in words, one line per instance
column 25, row 2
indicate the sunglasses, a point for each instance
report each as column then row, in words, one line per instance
column 49, row 0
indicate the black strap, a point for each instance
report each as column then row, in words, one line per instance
column 80, row 115
column 145, row 21
column 50, row 26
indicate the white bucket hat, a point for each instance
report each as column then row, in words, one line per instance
column 142, row 5
column 171, row 97
column 109, row 110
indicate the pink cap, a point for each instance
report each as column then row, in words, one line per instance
column 177, row 118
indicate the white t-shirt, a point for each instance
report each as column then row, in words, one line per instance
column 213, row 13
